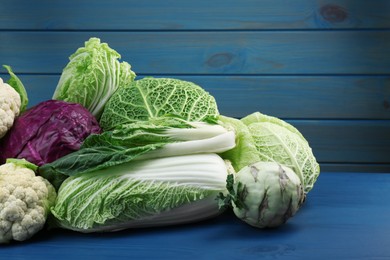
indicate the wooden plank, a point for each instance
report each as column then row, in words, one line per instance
column 347, row 141
column 356, row 167
column 284, row 52
column 198, row 15
column 290, row 97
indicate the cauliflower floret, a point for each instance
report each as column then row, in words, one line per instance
column 10, row 103
column 25, row 200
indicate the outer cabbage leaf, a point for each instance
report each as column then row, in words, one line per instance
column 155, row 97
column 278, row 141
column 142, row 194
column 92, row 75
column 17, row 84
column 258, row 117
column 245, row 152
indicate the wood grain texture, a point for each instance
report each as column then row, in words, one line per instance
column 347, row 141
column 345, row 217
column 199, row 15
column 247, row 53
column 287, row 97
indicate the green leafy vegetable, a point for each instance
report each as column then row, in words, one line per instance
column 158, row 137
column 92, row 75
column 156, row 97
column 278, row 141
column 145, row 193
column 245, row 152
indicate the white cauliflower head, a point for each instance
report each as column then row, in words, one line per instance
column 25, row 201
column 10, row 103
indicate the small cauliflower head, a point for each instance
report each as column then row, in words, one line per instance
column 25, row 200
column 10, row 103
column 266, row 194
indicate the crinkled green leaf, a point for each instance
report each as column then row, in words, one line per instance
column 278, row 141
column 245, row 152
column 115, row 197
column 155, row 97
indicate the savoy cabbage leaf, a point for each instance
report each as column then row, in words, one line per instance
column 156, row 97
column 279, row 141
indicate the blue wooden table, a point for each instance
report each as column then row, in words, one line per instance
column 346, row 216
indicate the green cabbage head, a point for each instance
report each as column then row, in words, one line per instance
column 155, row 97
column 262, row 138
column 278, row 141
column 92, row 75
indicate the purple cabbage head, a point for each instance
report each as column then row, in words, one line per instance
column 48, row 131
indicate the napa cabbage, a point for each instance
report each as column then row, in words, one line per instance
column 92, row 75
column 146, row 193
column 155, row 138
column 155, row 97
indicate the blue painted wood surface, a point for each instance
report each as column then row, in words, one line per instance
column 221, row 52
column 345, row 217
column 322, row 65
column 194, row 15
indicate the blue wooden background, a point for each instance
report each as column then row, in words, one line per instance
column 323, row 66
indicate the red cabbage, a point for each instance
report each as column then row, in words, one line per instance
column 48, row 131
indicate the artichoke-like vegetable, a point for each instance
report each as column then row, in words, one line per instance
column 264, row 194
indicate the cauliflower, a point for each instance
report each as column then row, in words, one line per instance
column 13, row 100
column 25, row 200
column 10, row 102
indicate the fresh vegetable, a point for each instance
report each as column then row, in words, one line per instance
column 25, row 200
column 245, row 152
column 92, row 75
column 156, row 97
column 278, row 141
column 13, row 101
column 158, row 137
column 47, row 132
column 146, row 193
column 151, row 152
column 264, row 194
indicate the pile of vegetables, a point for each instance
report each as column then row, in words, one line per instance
column 110, row 152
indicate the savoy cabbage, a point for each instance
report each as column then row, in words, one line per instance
column 263, row 138
column 156, row 97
